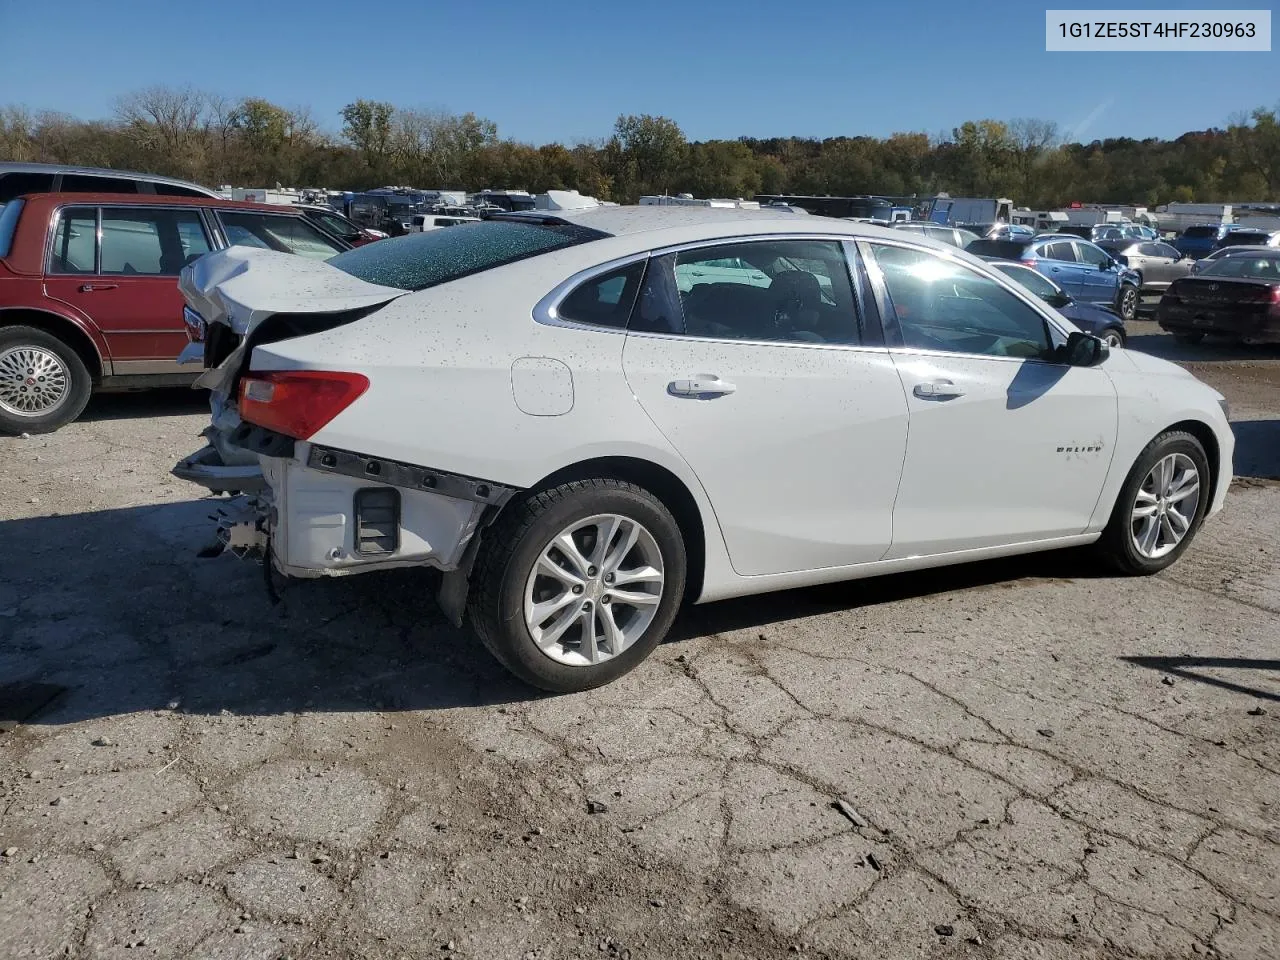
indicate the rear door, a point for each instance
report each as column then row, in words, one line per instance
column 127, row 282
column 1161, row 265
column 781, row 397
column 1059, row 264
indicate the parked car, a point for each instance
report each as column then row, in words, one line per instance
column 89, row 296
column 426, row 222
column 1200, row 239
column 1203, row 263
column 344, row 228
column 999, row 231
column 953, row 236
column 1085, row 271
column 1156, row 264
column 17, row 179
column 1103, row 324
column 1235, row 296
column 1242, row 236
column 535, row 407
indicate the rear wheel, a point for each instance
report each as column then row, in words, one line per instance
column 576, row 585
column 1160, row 506
column 43, row 382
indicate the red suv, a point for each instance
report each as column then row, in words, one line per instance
column 89, row 291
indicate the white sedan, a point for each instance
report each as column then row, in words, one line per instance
column 585, row 419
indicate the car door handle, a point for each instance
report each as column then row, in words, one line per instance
column 90, row 287
column 1056, row 269
column 937, row 390
column 701, row 386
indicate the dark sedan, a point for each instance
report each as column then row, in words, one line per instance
column 1103, row 324
column 1237, row 297
column 1249, row 237
column 1158, row 264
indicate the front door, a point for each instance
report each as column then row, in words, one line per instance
column 785, row 405
column 128, row 285
column 1099, row 272
column 1004, row 446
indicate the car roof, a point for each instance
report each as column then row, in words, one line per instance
column 678, row 223
column 152, row 200
column 56, row 168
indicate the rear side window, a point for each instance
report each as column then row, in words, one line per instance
column 9, row 214
column 423, row 260
column 16, row 184
column 75, row 241
column 81, row 183
column 284, row 234
column 1058, row 250
column 604, row 301
column 147, row 242
column 173, row 190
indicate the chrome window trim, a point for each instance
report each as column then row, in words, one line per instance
column 547, row 310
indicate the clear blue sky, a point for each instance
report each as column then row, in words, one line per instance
column 564, row 69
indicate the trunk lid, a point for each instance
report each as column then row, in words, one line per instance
column 1210, row 291
column 246, row 296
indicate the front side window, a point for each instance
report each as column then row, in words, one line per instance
column 1164, row 250
column 786, row 290
column 75, row 241
column 156, row 243
column 606, row 300
column 943, row 305
column 1094, row 256
column 284, row 234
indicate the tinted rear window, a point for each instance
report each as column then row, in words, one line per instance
column 16, row 184
column 1195, row 232
column 1004, row 249
column 423, row 260
column 1241, row 237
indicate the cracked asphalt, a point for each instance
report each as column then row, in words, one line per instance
column 1032, row 759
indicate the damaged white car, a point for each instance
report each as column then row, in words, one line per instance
column 585, row 419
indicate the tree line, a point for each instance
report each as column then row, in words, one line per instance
column 252, row 142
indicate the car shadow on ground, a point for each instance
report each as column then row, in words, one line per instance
column 115, row 607
column 1257, row 449
column 1187, row 669
column 1208, row 350
column 144, row 404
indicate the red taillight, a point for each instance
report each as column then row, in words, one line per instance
column 1275, row 294
column 1027, row 263
column 298, row 403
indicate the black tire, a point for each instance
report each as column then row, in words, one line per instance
column 1116, row 545
column 1127, row 302
column 512, row 546
column 1190, row 339
column 79, row 382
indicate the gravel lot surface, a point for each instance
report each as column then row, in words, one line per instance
column 1030, row 759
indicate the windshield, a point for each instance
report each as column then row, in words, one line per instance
column 9, row 213
column 1249, row 268
column 423, row 260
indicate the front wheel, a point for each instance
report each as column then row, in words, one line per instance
column 1113, row 337
column 43, row 382
column 1127, row 302
column 578, row 584
column 1160, row 506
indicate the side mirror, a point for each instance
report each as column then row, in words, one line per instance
column 1084, row 350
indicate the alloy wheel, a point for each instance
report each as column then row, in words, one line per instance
column 594, row 590
column 1165, row 506
column 33, row 381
